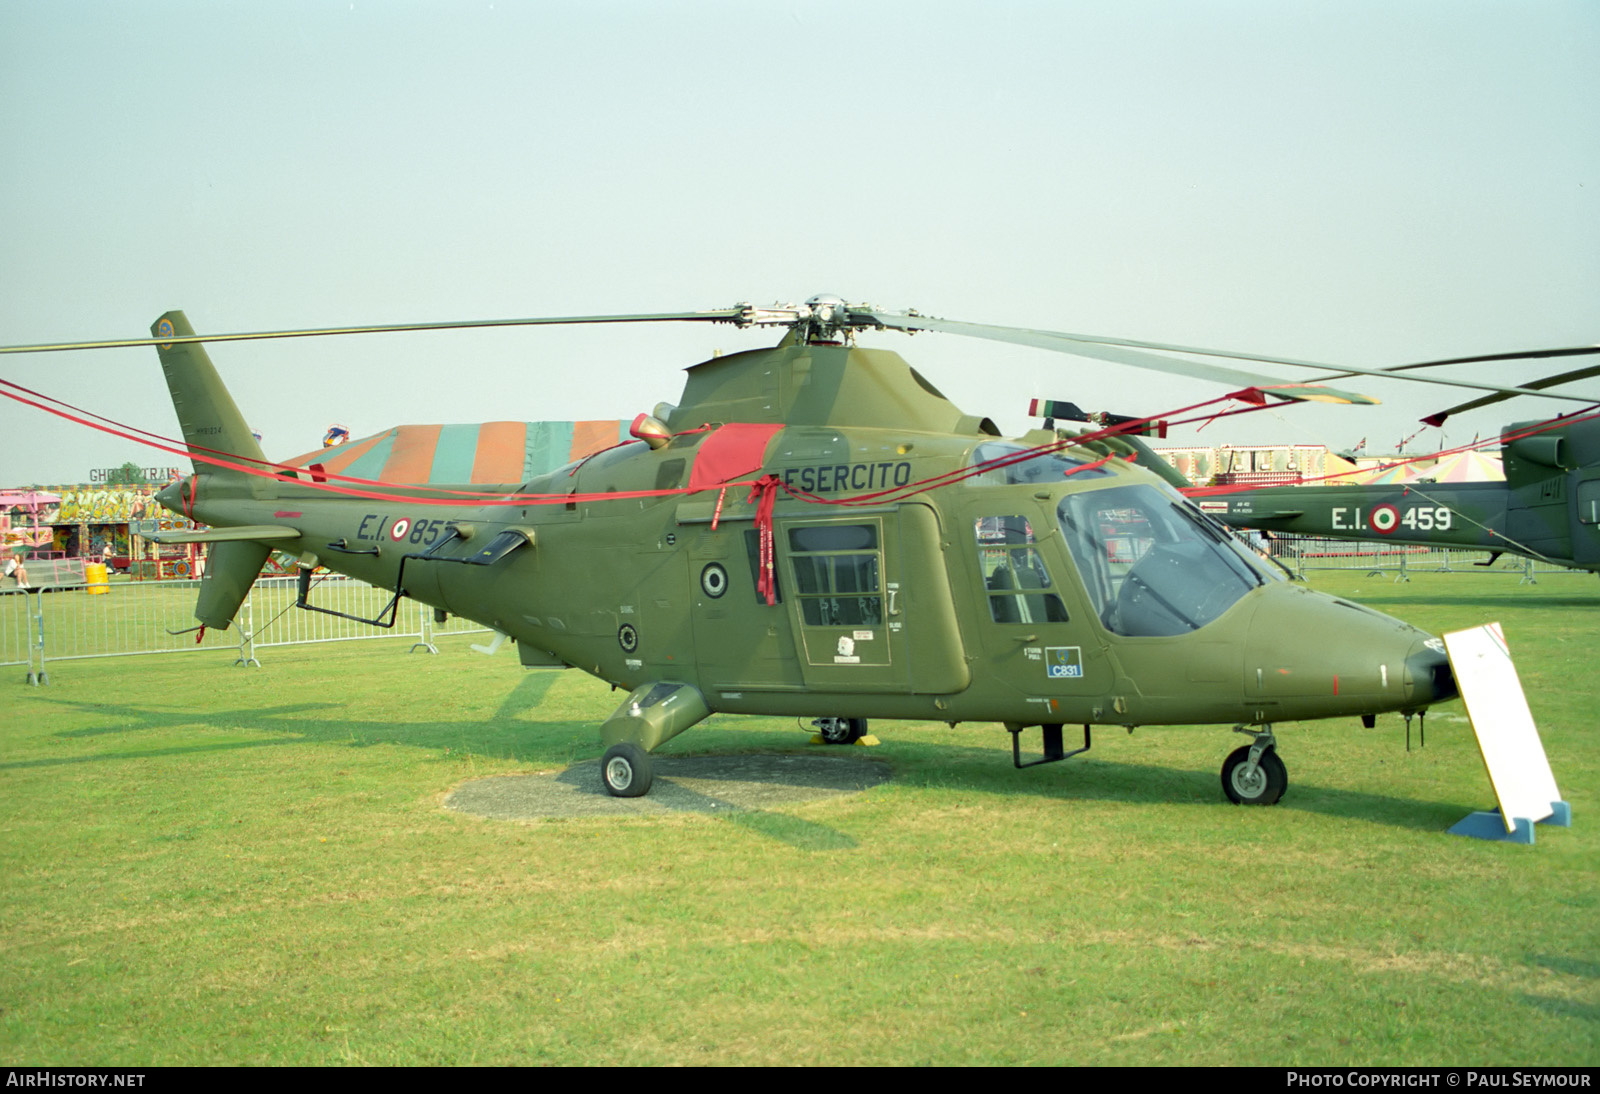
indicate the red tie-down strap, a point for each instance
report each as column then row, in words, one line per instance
column 766, row 489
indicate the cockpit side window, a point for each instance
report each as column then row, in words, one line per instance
column 1152, row 565
column 1014, row 574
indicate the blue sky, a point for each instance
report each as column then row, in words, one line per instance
column 1360, row 183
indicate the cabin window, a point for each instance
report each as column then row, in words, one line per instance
column 1014, row 573
column 836, row 574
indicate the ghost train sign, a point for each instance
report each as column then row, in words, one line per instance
column 130, row 473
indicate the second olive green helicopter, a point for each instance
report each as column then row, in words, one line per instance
column 1547, row 509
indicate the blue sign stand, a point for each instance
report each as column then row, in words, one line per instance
column 1513, row 755
column 1488, row 824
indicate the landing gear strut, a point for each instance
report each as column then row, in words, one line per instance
column 1254, row 775
column 651, row 714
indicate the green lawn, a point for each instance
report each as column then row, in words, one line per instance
column 207, row 864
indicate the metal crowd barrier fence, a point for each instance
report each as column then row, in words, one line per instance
column 130, row 618
column 1306, row 553
column 17, row 609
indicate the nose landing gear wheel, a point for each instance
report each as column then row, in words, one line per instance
column 626, row 770
column 1262, row 783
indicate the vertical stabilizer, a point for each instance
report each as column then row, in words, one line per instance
column 213, row 429
column 206, row 412
column 231, row 570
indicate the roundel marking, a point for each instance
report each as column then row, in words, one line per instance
column 714, row 580
column 628, row 638
column 1383, row 519
column 400, row 528
column 164, row 330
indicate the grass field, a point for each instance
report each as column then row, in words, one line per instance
column 206, row 864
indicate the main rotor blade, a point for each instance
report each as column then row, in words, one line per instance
column 1103, row 348
column 1438, row 418
column 724, row 315
column 1489, row 400
column 1120, row 351
column 1529, row 354
column 1125, row 351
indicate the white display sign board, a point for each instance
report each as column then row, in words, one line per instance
column 1520, row 772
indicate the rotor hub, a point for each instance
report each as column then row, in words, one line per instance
column 822, row 318
column 829, row 315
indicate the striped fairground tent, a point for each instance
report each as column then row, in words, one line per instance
column 490, row 452
column 1471, row 466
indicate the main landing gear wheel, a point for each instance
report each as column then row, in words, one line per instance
column 626, row 770
column 1262, row 783
column 841, row 731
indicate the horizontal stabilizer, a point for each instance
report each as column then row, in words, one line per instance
column 227, row 535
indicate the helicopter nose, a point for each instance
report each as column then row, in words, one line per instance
column 1312, row 655
column 1429, row 678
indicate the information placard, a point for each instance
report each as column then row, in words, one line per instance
column 1520, row 772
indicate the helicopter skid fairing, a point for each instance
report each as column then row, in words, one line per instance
column 653, row 714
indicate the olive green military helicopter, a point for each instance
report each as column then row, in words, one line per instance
column 1547, row 509
column 814, row 530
